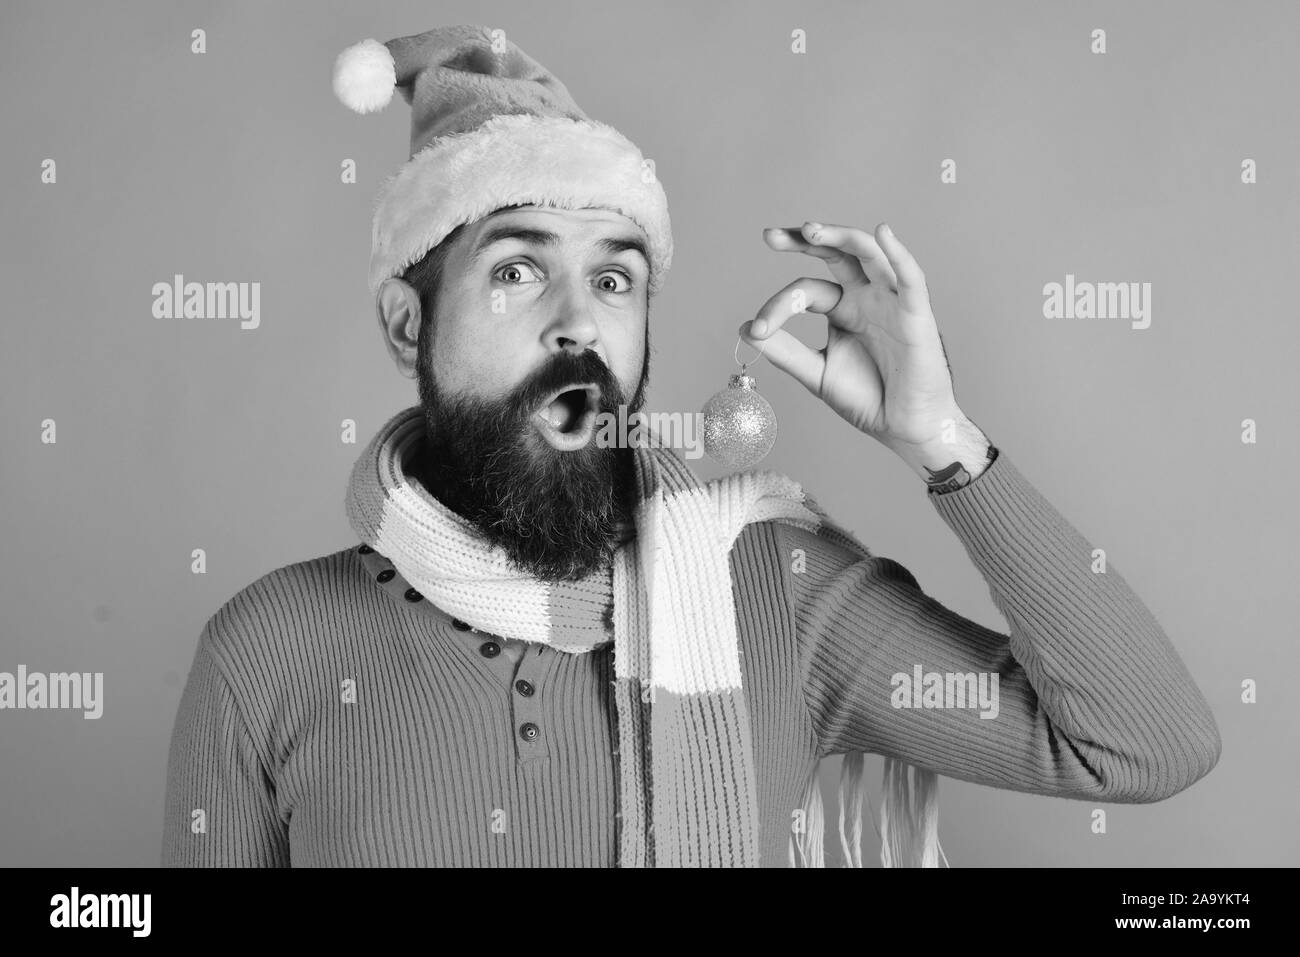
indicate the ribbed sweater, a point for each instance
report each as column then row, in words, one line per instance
column 334, row 717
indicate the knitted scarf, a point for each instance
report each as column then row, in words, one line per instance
column 686, row 773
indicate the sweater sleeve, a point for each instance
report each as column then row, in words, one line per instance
column 1093, row 701
column 214, row 767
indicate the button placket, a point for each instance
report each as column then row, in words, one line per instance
column 532, row 733
column 522, row 680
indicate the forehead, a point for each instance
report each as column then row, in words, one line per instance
column 606, row 229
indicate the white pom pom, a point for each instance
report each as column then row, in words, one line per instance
column 365, row 76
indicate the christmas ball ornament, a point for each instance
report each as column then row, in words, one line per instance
column 739, row 424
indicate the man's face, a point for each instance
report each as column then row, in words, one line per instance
column 540, row 323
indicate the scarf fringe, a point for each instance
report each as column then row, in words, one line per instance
column 806, row 845
column 909, row 817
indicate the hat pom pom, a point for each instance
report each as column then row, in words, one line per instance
column 365, row 76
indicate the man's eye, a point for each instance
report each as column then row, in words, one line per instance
column 513, row 273
column 619, row 276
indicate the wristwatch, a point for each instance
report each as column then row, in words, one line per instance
column 961, row 478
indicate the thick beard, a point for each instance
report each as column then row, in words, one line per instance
column 557, row 515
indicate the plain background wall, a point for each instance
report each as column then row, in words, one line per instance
column 225, row 166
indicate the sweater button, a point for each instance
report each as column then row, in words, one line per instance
column 460, row 625
column 412, row 595
column 529, row 731
column 386, row 576
column 489, row 649
column 524, row 688
column 365, row 549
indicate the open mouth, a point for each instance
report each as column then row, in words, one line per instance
column 566, row 418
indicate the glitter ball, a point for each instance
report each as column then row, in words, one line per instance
column 739, row 424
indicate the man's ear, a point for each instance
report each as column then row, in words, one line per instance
column 398, row 307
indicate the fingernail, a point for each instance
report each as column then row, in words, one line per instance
column 812, row 226
column 759, row 328
column 888, row 229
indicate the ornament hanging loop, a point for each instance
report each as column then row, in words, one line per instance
column 744, row 366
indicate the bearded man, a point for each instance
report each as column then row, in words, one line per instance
column 549, row 651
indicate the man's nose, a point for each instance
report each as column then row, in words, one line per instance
column 573, row 328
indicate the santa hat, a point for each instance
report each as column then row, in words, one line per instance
column 490, row 127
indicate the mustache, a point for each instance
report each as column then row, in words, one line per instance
column 566, row 369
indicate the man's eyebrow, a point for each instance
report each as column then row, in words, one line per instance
column 527, row 234
column 544, row 237
column 623, row 244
